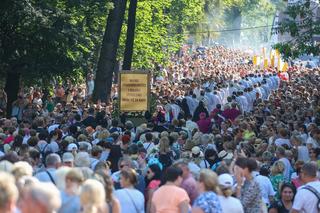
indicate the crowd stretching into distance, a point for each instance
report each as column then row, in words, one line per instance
column 226, row 136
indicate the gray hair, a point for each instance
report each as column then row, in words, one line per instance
column 53, row 159
column 310, row 169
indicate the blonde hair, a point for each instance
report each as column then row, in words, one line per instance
column 8, row 189
column 61, row 177
column 92, row 196
column 164, row 134
column 75, row 175
column 210, row 180
column 277, row 168
column 103, row 134
column 164, row 145
column 20, row 169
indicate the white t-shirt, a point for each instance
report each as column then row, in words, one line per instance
column 230, row 204
column 305, row 201
column 266, row 188
column 131, row 200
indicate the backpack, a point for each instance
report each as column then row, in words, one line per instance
column 315, row 192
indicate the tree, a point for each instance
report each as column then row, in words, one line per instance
column 235, row 9
column 302, row 24
column 128, row 52
column 161, row 28
column 41, row 40
column 108, row 54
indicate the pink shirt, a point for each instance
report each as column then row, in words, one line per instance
column 167, row 199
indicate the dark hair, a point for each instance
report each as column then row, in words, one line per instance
column 149, row 136
column 288, row 185
column 18, row 139
column 172, row 173
column 265, row 170
column 43, row 136
column 157, row 174
column 310, row 169
column 114, row 122
column 249, row 163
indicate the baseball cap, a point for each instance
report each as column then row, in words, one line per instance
column 67, row 157
column 225, row 180
column 71, row 147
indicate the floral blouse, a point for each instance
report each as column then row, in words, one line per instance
column 208, row 202
column 276, row 181
column 251, row 197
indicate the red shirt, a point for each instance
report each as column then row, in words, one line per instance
column 8, row 140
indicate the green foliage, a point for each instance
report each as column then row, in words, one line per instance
column 261, row 15
column 44, row 39
column 301, row 25
column 160, row 30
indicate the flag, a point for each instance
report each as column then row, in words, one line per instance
column 255, row 60
column 265, row 63
column 272, row 61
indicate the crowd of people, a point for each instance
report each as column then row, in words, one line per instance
column 226, row 136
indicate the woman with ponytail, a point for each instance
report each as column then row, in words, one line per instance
column 227, row 202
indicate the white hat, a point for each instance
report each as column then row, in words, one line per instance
column 196, row 151
column 72, row 147
column 225, row 180
column 67, row 157
column 224, row 155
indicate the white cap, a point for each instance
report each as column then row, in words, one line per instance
column 225, row 180
column 72, row 147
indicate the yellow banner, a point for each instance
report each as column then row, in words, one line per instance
column 255, row 60
column 272, row 61
column 134, row 91
column 265, row 63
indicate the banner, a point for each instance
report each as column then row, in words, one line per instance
column 265, row 63
column 134, row 91
column 256, row 60
column 272, row 61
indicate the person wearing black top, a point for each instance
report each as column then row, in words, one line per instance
column 90, row 120
column 284, row 205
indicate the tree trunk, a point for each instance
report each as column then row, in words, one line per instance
column 108, row 53
column 12, row 89
column 236, row 24
column 128, row 52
